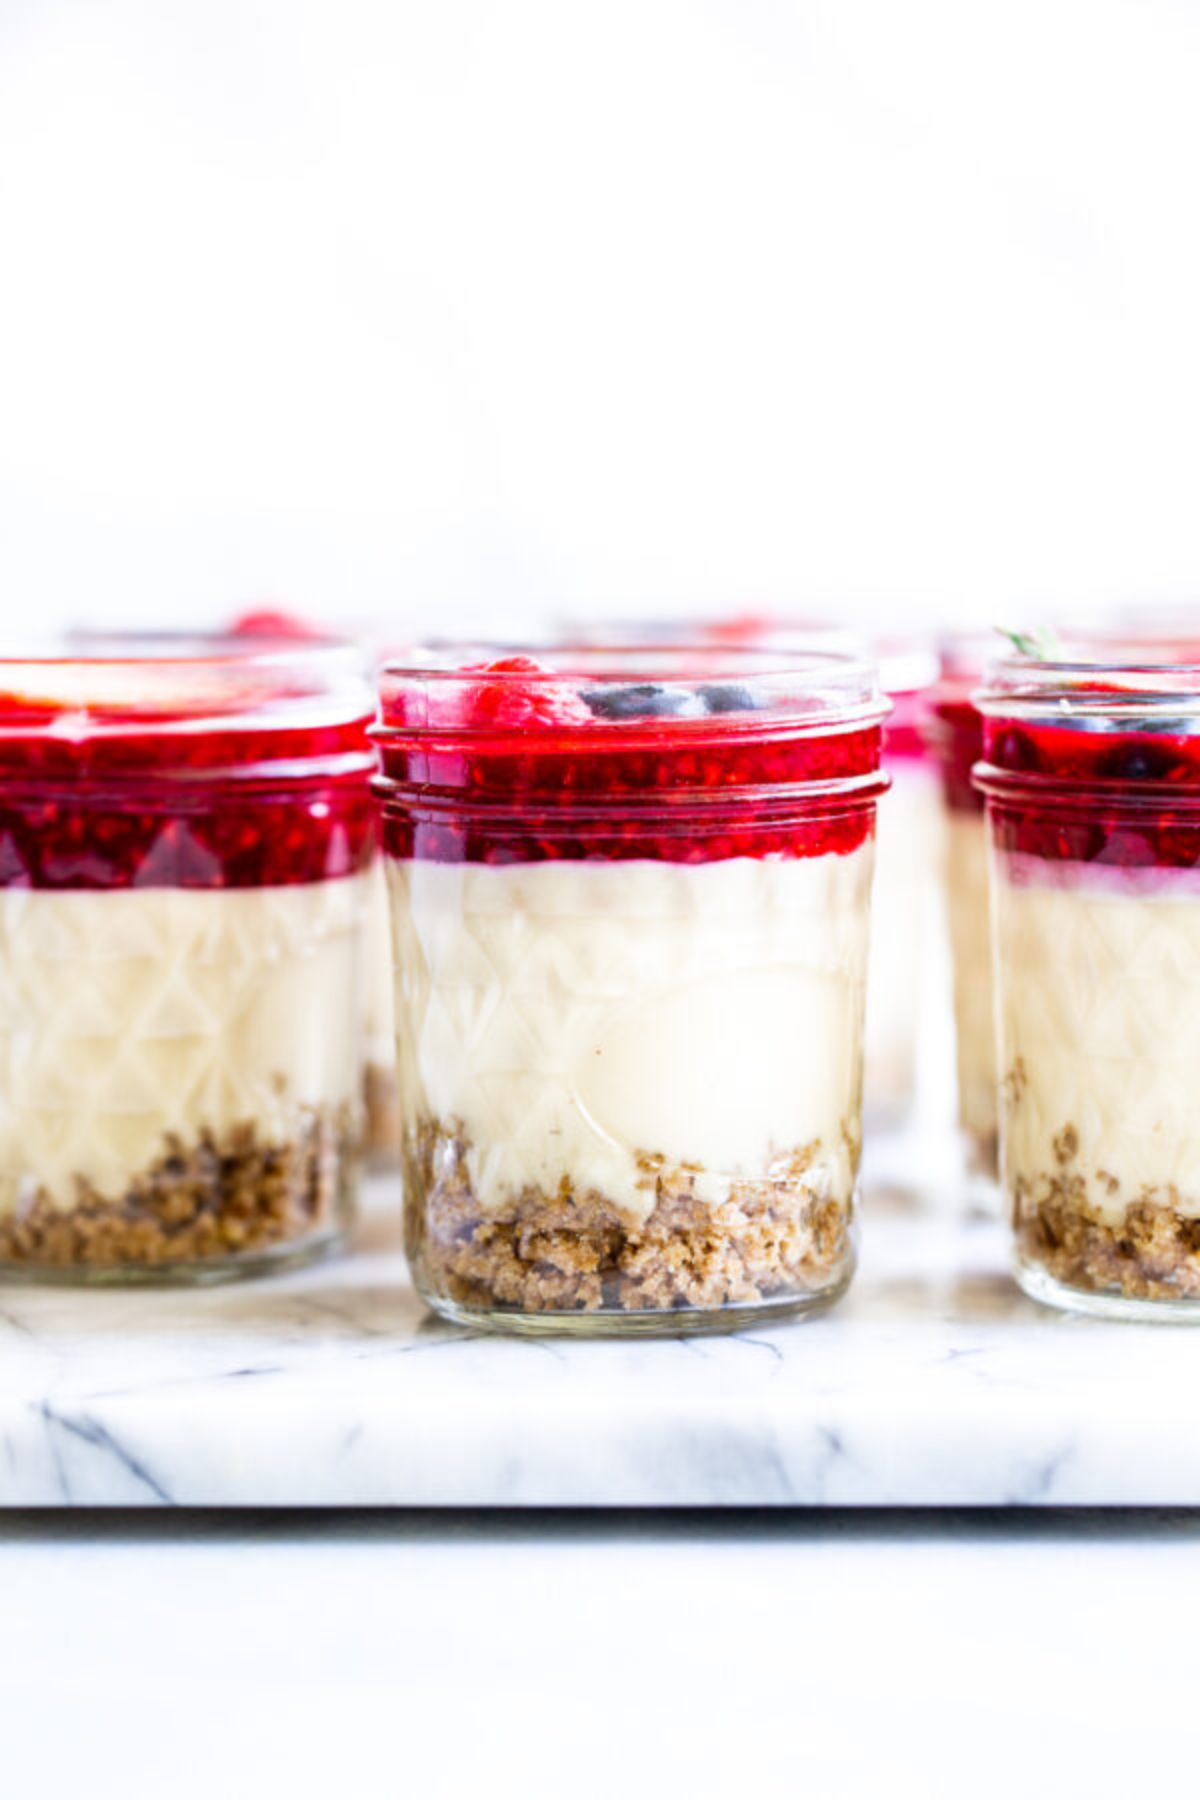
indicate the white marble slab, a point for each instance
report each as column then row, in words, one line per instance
column 933, row 1383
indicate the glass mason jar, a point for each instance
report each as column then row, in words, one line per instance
column 629, row 897
column 956, row 736
column 184, row 832
column 1092, row 780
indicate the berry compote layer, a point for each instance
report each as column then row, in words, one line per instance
column 630, row 913
column 1094, row 807
column 236, row 775
column 1110, row 795
column 502, row 765
column 185, row 833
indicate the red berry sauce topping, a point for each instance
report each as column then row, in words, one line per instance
column 506, row 762
column 1095, row 792
column 956, row 732
column 128, row 791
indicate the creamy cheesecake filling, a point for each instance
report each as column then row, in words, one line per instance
column 576, row 1022
column 134, row 1016
column 1100, row 1034
column 968, row 912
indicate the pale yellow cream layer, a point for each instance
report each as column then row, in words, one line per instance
column 1099, row 1016
column 128, row 1015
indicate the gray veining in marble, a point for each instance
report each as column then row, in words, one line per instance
column 933, row 1383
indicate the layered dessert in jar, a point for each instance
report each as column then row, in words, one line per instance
column 185, row 833
column 1092, row 781
column 956, row 735
column 629, row 896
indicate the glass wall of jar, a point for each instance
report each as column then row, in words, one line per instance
column 1091, row 775
column 185, row 828
column 955, row 732
column 630, row 895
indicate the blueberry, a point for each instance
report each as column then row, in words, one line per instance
column 1138, row 761
column 730, row 697
column 640, row 700
column 1015, row 749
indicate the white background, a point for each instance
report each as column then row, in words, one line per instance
column 447, row 310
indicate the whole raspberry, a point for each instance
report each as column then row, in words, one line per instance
column 509, row 703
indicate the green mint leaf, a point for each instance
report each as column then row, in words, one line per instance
column 1042, row 642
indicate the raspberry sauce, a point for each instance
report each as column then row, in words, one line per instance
column 531, row 768
column 956, row 733
column 98, row 793
column 1128, row 798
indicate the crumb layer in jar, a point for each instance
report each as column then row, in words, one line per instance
column 1072, row 1223
column 788, row 1234
column 211, row 1199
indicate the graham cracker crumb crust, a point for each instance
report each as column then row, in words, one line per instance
column 570, row 1252
column 1151, row 1251
column 212, row 1198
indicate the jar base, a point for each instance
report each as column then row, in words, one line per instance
column 211, row 1272
column 681, row 1321
column 1103, row 1304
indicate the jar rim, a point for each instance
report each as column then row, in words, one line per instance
column 906, row 662
column 114, row 682
column 432, row 691
column 1158, row 694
